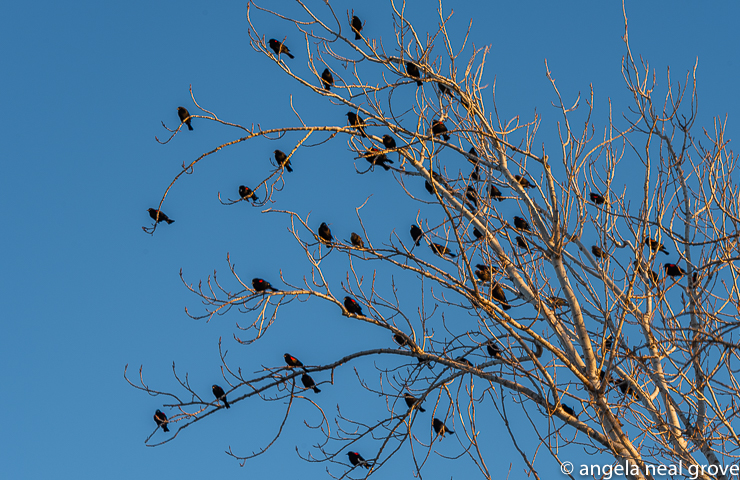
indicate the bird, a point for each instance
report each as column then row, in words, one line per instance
column 400, row 340
column 475, row 174
column 161, row 420
column 521, row 224
column 673, row 270
column 650, row 273
column 260, row 285
column 282, row 160
column 293, row 362
column 609, row 342
column 246, row 193
column 413, row 72
column 327, row 78
column 308, row 382
column 325, row 235
column 493, row 349
column 521, row 243
column 596, row 198
column 219, row 393
column 356, row 26
column 441, row 250
column 483, row 272
column 655, row 246
column 416, row 234
column 439, row 179
column 498, row 294
column 376, row 158
column 356, row 459
column 279, row 48
column 162, row 217
column 626, row 388
column 477, row 234
column 440, row 428
column 472, row 195
column 388, row 142
column 598, row 253
column 496, row 193
column 352, row 306
column 357, row 240
column 184, row 115
column 412, row 401
column 523, row 181
column 357, row 122
column 438, row 128
column 474, row 153
column 444, row 89
column 557, row 302
column 568, row 410
column 465, row 361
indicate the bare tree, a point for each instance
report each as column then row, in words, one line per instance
column 602, row 341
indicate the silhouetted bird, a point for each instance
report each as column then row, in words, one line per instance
column 357, row 26
column 521, row 243
column 477, row 234
column 162, row 217
column 374, row 157
column 444, row 89
column 400, row 340
column 282, row 160
column 441, row 250
column 327, row 78
column 161, row 420
column 219, row 393
column 475, row 174
column 523, row 181
column 597, row 199
column 440, row 428
column 498, row 294
column 325, row 235
column 521, row 224
column 246, row 193
column 413, row 72
column 291, row 361
column 473, row 152
column 279, row 48
column 605, row 376
column 438, row 128
column 598, row 253
column 496, row 193
column 483, row 272
column 388, row 142
column 655, row 245
column 357, row 122
column 568, row 410
column 493, row 349
column 352, row 306
column 260, row 285
column 465, row 361
column 416, row 234
column 472, row 195
column 356, row 459
column 412, row 401
column 308, row 382
column 608, row 342
column 673, row 270
column 357, row 240
column 557, row 302
column 626, row 388
column 183, row 113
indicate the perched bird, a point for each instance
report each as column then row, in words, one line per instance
column 279, row 48
column 477, row 234
column 327, row 78
column 260, row 285
column 568, row 410
column 282, row 160
column 413, row 72
column 356, row 459
column 325, row 235
column 357, row 122
column 441, row 250
column 483, row 272
column 356, row 26
column 655, row 246
column 184, row 115
column 493, row 349
column 523, row 181
column 352, row 306
column 440, row 428
column 357, row 240
column 521, row 224
column 439, row 179
column 162, row 217
column 474, row 153
column 498, row 294
column 557, row 302
column 416, row 234
column 673, row 270
column 400, row 340
column 597, row 199
column 475, row 174
column 608, row 342
column 472, row 195
column 246, row 193
column 161, row 420
column 438, row 128
column 598, row 253
column 649, row 273
column 626, row 388
column 308, row 382
column 465, row 361
column 496, row 193
column 219, row 393
column 444, row 89
column 388, row 142
column 375, row 158
column 292, row 361
column 521, row 243
column 412, row 401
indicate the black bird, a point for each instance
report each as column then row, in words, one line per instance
column 327, row 78
column 440, row 428
column 673, row 270
column 568, row 410
column 496, row 193
column 292, row 361
column 375, row 158
column 597, row 199
column 413, row 72
column 521, row 243
column 246, row 193
column 498, row 294
column 352, row 306
column 438, row 128
column 308, row 382
column 325, row 235
column 557, row 302
column 609, row 342
column 356, row 26
column 523, row 181
column 465, row 361
column 161, row 420
column 184, row 115
column 282, row 160
column 521, row 224
column 475, row 174
column 626, row 388
column 260, row 285
column 444, row 89
column 357, row 240
column 477, row 234
column 416, row 234
column 400, row 340
column 598, row 253
column 441, row 250
column 483, row 272
column 219, row 393
column 279, row 48
column 472, row 195
column 655, row 245
column 412, row 401
column 356, row 459
column 357, row 122
column 493, row 349
column 474, row 153
column 606, row 376
column 388, row 142
column 162, row 217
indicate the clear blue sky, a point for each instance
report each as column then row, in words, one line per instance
column 84, row 291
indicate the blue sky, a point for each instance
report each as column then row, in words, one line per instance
column 85, row 88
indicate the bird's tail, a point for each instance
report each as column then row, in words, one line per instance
column 164, row 427
column 190, row 127
column 288, row 168
column 357, row 36
column 447, row 138
column 289, row 54
column 664, row 251
column 327, row 87
column 418, row 244
column 452, row 255
column 316, row 389
column 421, row 409
column 386, row 167
column 505, row 306
column 419, row 83
column 170, row 221
column 226, row 404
